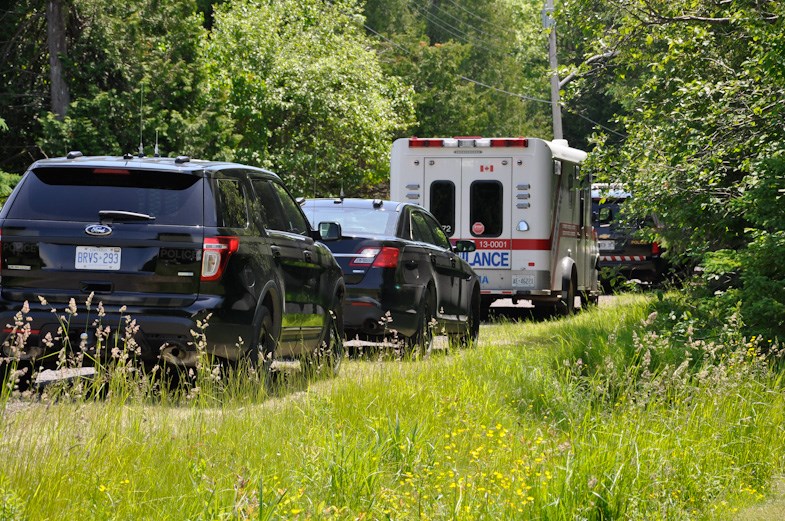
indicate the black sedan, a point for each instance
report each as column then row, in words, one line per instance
column 403, row 277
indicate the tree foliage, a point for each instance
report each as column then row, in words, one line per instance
column 477, row 67
column 306, row 96
column 133, row 73
column 700, row 86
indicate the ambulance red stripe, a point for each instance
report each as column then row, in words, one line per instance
column 512, row 244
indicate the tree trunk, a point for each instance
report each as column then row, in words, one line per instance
column 55, row 22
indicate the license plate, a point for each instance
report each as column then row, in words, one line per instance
column 97, row 258
column 523, row 281
column 607, row 245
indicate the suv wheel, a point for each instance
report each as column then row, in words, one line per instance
column 326, row 360
column 260, row 354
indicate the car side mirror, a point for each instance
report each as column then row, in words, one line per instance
column 464, row 247
column 329, row 231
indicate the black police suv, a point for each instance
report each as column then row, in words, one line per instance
column 402, row 274
column 172, row 243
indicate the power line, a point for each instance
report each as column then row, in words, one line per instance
column 529, row 98
column 459, row 34
column 480, row 18
column 460, row 21
column 567, row 109
column 508, row 93
column 464, row 36
column 497, row 89
column 404, row 49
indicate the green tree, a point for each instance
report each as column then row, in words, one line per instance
column 7, row 181
column 700, row 86
column 24, row 90
column 305, row 95
column 477, row 67
column 133, row 74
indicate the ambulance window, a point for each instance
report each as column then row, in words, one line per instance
column 442, row 205
column 485, row 208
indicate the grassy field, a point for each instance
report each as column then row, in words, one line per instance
column 606, row 415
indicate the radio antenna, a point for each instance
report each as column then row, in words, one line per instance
column 141, row 121
column 155, row 151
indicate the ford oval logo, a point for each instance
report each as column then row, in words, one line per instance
column 98, row 229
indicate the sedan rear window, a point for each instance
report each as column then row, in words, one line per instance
column 79, row 194
column 361, row 221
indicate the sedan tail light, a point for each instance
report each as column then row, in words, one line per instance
column 378, row 257
column 215, row 255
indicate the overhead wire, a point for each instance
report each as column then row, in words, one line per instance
column 464, row 22
column 503, row 91
column 462, row 35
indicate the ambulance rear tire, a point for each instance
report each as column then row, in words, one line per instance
column 566, row 307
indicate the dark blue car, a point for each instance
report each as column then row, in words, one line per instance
column 403, row 276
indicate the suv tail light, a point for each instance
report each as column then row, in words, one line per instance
column 385, row 257
column 655, row 248
column 215, row 255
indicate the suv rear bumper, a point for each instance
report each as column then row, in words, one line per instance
column 142, row 332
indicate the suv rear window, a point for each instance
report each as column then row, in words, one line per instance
column 78, row 194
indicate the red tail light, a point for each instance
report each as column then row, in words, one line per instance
column 386, row 257
column 512, row 142
column 111, row 171
column 655, row 248
column 215, row 255
column 425, row 143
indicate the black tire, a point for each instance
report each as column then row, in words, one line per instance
column 468, row 337
column 567, row 306
column 260, row 352
column 422, row 340
column 326, row 360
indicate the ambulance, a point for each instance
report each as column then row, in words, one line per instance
column 526, row 204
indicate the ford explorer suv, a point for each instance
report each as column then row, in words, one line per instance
column 172, row 243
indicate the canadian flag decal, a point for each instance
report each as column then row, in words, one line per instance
column 484, row 168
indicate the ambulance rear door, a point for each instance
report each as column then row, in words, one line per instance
column 485, row 217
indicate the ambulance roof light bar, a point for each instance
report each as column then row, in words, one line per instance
column 416, row 142
column 467, row 142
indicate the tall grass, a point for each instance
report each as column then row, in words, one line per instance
column 594, row 417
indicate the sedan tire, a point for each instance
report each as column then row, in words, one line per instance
column 422, row 339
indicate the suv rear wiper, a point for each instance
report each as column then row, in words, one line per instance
column 120, row 215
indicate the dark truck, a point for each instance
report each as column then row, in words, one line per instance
column 624, row 250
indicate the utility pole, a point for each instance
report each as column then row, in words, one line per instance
column 549, row 23
column 56, row 42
